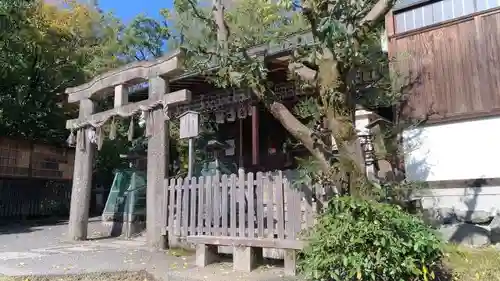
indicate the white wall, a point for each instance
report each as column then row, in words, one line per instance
column 362, row 120
column 462, row 150
column 479, row 198
column 456, row 151
column 384, row 40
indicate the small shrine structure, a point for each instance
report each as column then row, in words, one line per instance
column 249, row 141
column 89, row 131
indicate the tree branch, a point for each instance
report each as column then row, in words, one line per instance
column 300, row 132
column 277, row 109
column 374, row 16
column 222, row 27
column 199, row 15
column 304, row 73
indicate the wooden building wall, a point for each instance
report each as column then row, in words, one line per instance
column 24, row 159
column 454, row 65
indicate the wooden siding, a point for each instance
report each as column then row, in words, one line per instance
column 455, row 66
column 24, row 159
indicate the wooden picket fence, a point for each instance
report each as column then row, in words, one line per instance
column 224, row 206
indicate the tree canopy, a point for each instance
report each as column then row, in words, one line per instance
column 48, row 48
column 55, row 45
column 346, row 43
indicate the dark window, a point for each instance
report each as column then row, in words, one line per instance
column 412, row 14
column 50, row 164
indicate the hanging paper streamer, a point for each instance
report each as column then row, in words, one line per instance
column 242, row 112
column 91, row 135
column 99, row 137
column 148, row 117
column 112, row 129
column 231, row 115
column 81, row 141
column 131, row 129
column 219, row 117
column 71, row 140
column 166, row 115
column 142, row 119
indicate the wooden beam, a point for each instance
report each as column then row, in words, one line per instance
column 121, row 95
column 167, row 66
column 177, row 97
column 247, row 241
column 255, row 135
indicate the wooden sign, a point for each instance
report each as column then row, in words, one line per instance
column 189, row 125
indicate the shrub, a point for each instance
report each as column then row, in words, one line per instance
column 357, row 239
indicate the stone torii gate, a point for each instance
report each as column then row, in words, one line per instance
column 89, row 134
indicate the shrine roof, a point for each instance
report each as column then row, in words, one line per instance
column 179, row 79
column 270, row 51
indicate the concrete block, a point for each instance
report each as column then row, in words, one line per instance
column 290, row 262
column 466, row 234
column 246, row 258
column 475, row 217
column 206, row 254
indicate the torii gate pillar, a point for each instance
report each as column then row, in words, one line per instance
column 82, row 178
column 157, row 171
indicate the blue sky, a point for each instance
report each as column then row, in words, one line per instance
column 128, row 9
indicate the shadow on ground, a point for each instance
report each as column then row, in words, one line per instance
column 13, row 226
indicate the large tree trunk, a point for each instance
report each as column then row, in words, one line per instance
column 350, row 152
column 329, row 77
column 300, row 132
column 277, row 109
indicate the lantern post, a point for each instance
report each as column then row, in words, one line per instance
column 189, row 129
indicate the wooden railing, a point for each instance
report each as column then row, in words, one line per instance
column 261, row 205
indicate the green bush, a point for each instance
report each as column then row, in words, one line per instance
column 356, row 239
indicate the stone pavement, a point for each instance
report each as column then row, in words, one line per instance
column 44, row 250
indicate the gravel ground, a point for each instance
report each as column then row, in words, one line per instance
column 43, row 253
column 115, row 276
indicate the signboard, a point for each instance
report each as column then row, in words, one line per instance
column 189, row 125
